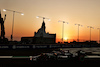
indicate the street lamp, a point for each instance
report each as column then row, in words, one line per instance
column 78, row 30
column 90, row 30
column 99, row 34
column 63, row 28
column 43, row 18
column 13, row 19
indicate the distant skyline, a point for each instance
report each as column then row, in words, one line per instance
column 84, row 12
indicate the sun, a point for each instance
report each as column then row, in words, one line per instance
column 65, row 38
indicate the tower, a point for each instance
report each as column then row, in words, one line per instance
column 43, row 26
column 1, row 20
column 2, row 29
column 2, row 35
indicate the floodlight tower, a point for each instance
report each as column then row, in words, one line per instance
column 42, row 17
column 90, row 30
column 13, row 19
column 63, row 28
column 99, row 34
column 78, row 30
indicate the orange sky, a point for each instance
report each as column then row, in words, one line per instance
column 84, row 12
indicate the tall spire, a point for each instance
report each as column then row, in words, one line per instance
column 0, row 13
column 43, row 26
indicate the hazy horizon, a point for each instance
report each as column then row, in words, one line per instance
column 84, row 12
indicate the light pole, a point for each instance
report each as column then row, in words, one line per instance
column 43, row 18
column 78, row 30
column 63, row 28
column 90, row 30
column 13, row 20
column 99, row 34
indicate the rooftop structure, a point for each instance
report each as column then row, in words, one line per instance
column 40, row 37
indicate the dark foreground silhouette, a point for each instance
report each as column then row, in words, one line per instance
column 27, row 62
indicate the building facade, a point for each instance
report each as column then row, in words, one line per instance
column 40, row 37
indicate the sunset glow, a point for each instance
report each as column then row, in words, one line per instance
column 65, row 38
column 84, row 12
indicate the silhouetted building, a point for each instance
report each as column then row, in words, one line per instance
column 27, row 40
column 40, row 37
